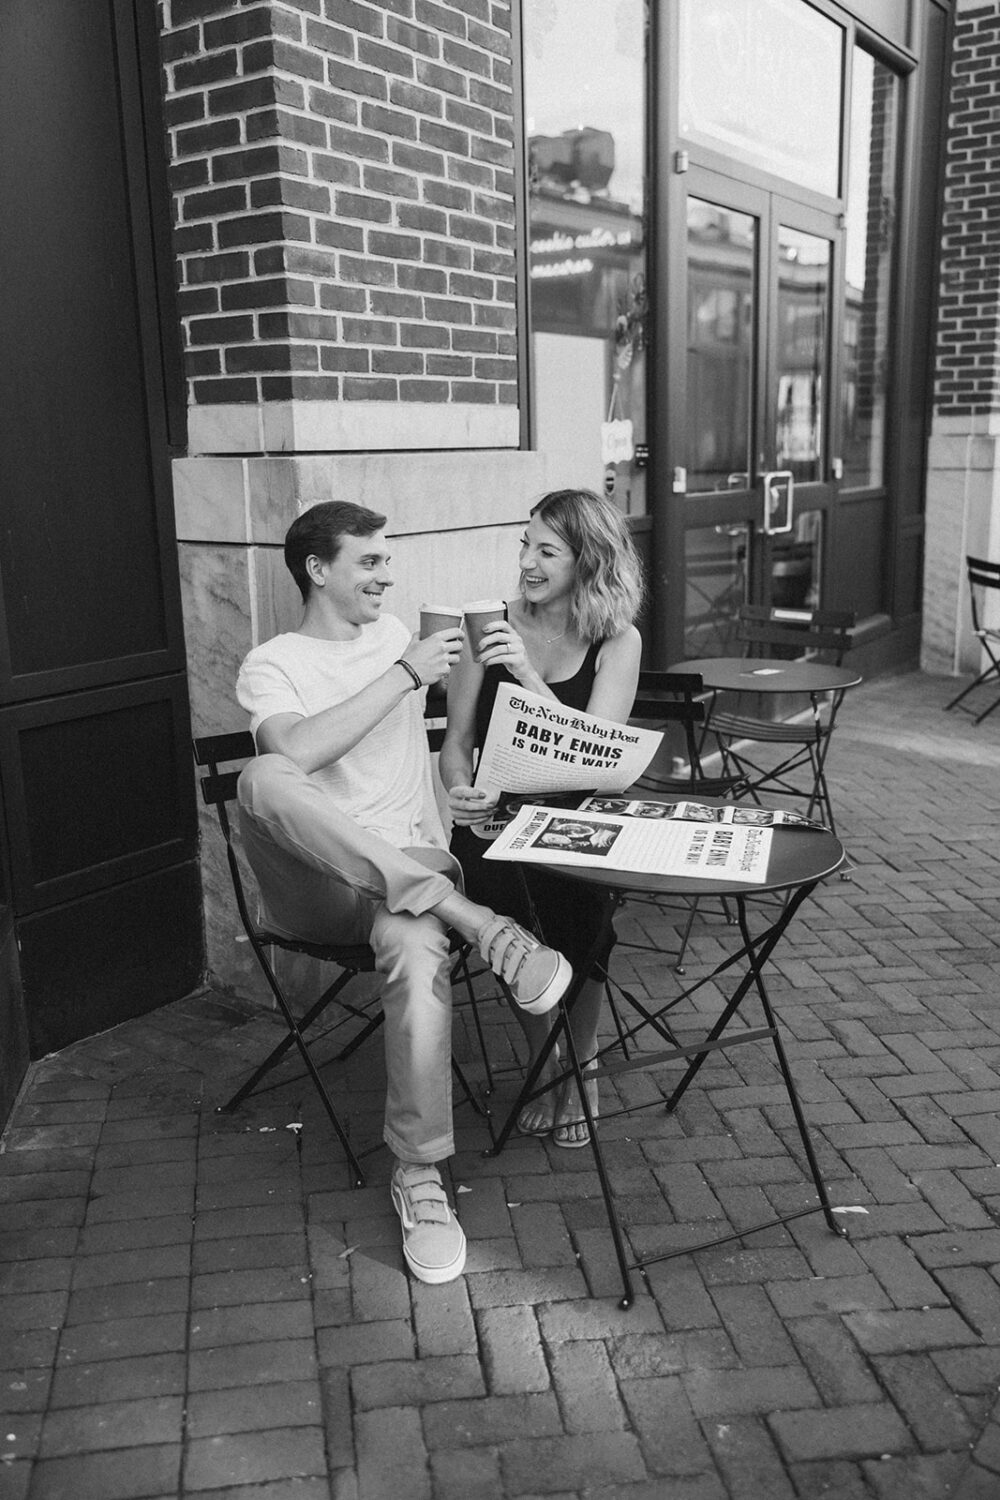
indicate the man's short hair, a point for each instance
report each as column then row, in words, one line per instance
column 318, row 531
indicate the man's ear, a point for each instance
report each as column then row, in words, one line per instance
column 314, row 568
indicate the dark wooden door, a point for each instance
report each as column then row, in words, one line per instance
column 99, row 829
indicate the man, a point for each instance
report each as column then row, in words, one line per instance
column 342, row 830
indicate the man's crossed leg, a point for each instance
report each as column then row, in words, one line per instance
column 324, row 878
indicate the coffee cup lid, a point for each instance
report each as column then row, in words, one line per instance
column 480, row 606
column 442, row 609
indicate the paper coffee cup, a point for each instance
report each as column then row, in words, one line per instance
column 479, row 614
column 435, row 617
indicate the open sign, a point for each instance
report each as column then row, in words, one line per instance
column 617, row 446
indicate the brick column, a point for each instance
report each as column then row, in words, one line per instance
column 343, row 179
column 963, row 482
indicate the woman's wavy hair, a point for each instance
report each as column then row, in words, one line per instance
column 608, row 588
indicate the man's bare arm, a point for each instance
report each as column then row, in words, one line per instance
column 323, row 738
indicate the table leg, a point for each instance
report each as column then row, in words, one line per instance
column 758, row 951
column 561, row 1028
column 786, row 1073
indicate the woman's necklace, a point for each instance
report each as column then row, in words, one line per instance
column 550, row 640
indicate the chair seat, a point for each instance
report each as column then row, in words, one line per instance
column 738, row 726
column 357, row 956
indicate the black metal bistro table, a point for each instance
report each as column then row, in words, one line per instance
column 760, row 674
column 799, row 859
column 807, row 745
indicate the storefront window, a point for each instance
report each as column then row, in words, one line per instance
column 715, row 575
column 870, row 239
column 803, row 320
column 584, row 79
column 760, row 81
column 721, row 261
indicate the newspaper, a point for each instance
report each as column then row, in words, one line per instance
column 699, row 849
column 538, row 745
column 700, row 812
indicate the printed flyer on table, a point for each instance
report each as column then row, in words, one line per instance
column 653, row 846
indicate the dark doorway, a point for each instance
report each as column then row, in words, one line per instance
column 99, row 826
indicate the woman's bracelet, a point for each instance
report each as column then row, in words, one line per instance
column 410, row 670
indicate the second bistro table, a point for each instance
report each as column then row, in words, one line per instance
column 799, row 858
column 757, row 674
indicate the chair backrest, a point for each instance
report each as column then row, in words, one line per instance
column 982, row 575
column 795, row 632
column 218, row 789
column 673, row 698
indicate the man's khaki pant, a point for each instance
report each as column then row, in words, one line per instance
column 325, row 879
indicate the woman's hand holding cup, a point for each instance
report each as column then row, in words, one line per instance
column 480, row 614
column 501, row 646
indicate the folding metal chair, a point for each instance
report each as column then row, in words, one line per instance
column 218, row 788
column 983, row 577
column 665, row 698
column 789, row 634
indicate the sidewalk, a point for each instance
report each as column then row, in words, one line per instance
column 197, row 1305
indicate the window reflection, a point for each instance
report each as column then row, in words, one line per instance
column 803, row 302
column 585, row 113
column 868, row 268
column 715, row 587
column 797, row 564
column 720, row 286
column 760, row 81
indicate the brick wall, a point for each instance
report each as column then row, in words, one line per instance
column 343, row 188
column 968, row 363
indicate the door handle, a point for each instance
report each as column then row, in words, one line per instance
column 779, row 501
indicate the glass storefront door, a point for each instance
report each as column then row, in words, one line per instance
column 730, row 378
column 760, row 279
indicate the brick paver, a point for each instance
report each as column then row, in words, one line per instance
column 200, row 1305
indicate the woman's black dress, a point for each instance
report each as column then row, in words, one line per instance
column 569, row 913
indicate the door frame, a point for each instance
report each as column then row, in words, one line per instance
column 743, row 506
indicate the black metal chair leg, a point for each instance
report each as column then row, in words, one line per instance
column 295, row 1038
column 460, row 968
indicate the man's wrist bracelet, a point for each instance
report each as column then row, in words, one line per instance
column 410, row 670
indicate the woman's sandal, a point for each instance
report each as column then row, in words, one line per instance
column 578, row 1124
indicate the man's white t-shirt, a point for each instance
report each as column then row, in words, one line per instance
column 384, row 783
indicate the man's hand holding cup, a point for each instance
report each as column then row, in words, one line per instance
column 438, row 646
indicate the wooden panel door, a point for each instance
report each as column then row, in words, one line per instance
column 93, row 711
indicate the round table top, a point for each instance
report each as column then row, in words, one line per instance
column 798, row 856
column 759, row 674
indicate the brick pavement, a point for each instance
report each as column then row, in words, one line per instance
column 195, row 1305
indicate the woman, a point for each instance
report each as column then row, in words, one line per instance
column 569, row 636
